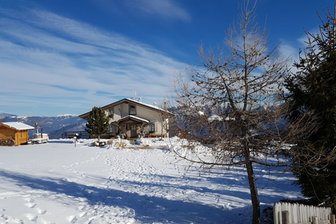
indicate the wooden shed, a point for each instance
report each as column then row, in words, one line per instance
column 15, row 132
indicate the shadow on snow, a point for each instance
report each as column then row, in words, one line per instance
column 147, row 208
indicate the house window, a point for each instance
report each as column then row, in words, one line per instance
column 113, row 129
column 151, row 127
column 132, row 110
column 111, row 113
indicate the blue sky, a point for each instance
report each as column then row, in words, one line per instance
column 64, row 57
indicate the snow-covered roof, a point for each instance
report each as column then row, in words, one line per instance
column 136, row 102
column 145, row 104
column 18, row 125
column 128, row 100
column 134, row 118
column 215, row 117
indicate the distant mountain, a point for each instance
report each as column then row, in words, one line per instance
column 4, row 115
column 55, row 127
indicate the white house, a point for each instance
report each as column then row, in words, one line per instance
column 131, row 118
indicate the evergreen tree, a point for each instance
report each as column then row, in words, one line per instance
column 97, row 122
column 312, row 115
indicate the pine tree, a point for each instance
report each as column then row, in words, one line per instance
column 312, row 115
column 97, row 122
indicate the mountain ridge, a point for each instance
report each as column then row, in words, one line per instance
column 54, row 126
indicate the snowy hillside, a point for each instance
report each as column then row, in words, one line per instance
column 60, row 183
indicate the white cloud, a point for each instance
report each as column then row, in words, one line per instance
column 288, row 51
column 165, row 9
column 304, row 38
column 291, row 50
column 60, row 65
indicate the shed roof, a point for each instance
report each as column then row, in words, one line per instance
column 18, row 126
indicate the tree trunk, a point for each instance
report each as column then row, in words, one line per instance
column 253, row 186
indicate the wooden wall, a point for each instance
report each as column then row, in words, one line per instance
column 20, row 137
column 6, row 132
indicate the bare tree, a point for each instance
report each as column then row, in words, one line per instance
column 231, row 106
column 165, row 117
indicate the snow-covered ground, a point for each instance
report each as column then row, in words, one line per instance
column 60, row 183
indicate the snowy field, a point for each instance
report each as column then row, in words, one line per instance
column 60, row 183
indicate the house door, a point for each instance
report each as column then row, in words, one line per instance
column 134, row 131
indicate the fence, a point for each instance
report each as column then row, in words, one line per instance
column 286, row 213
